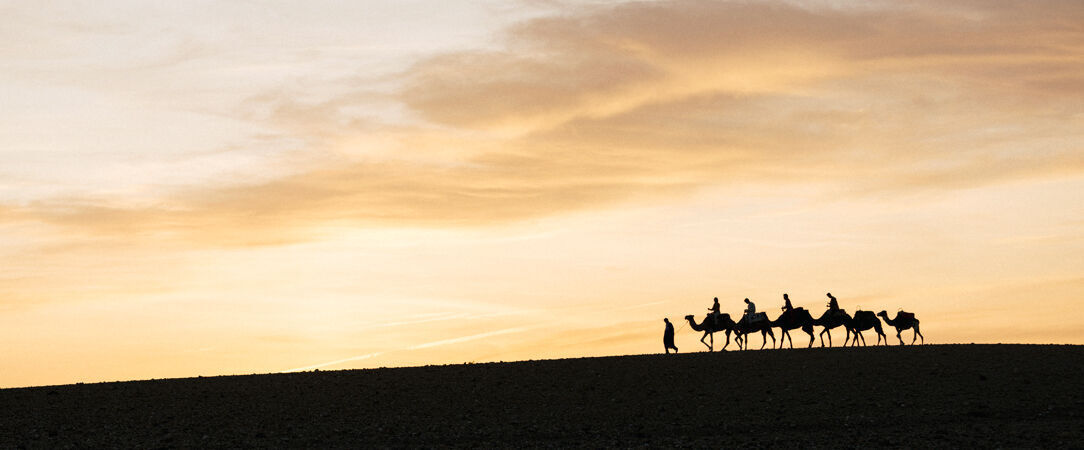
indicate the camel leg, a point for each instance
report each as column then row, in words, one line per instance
column 727, row 339
column 772, row 334
column 821, row 335
column 898, row 336
column 809, row 331
column 711, row 348
column 919, row 333
column 705, row 336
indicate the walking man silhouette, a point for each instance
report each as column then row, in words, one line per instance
column 668, row 337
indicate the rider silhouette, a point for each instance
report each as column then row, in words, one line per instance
column 749, row 311
column 715, row 311
column 832, row 305
column 786, row 306
column 668, row 337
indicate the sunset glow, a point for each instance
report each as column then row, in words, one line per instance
column 195, row 188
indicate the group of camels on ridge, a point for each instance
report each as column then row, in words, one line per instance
column 799, row 318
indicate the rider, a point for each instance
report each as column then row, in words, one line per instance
column 715, row 311
column 786, row 305
column 833, row 307
column 749, row 311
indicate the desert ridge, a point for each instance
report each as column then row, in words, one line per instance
column 912, row 396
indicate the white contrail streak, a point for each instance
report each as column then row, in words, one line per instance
column 468, row 338
column 415, row 347
column 332, row 363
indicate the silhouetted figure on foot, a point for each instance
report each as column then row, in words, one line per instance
column 668, row 337
column 786, row 303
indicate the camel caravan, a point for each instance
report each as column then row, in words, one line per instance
column 793, row 318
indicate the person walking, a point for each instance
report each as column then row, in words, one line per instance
column 668, row 337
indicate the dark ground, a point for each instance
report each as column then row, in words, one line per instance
column 926, row 396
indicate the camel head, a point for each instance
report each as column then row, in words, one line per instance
column 883, row 313
column 689, row 317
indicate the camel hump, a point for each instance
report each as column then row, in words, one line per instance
column 757, row 317
column 864, row 314
column 905, row 316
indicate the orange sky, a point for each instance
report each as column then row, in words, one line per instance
column 200, row 189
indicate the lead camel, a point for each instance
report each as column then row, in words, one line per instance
column 710, row 326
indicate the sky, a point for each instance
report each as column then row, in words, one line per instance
column 207, row 188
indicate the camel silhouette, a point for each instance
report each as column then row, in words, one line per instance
column 792, row 319
column 903, row 321
column 709, row 327
column 742, row 328
column 829, row 321
column 862, row 321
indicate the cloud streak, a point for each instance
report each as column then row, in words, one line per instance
column 644, row 101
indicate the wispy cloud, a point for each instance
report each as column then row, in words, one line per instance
column 472, row 337
column 648, row 100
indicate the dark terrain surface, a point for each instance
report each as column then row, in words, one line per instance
column 924, row 396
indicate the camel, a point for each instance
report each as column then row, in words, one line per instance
column 742, row 328
column 793, row 319
column 903, row 321
column 709, row 327
column 829, row 321
column 862, row 321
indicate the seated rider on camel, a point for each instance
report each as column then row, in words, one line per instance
column 715, row 311
column 833, row 307
column 786, row 306
column 750, row 311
